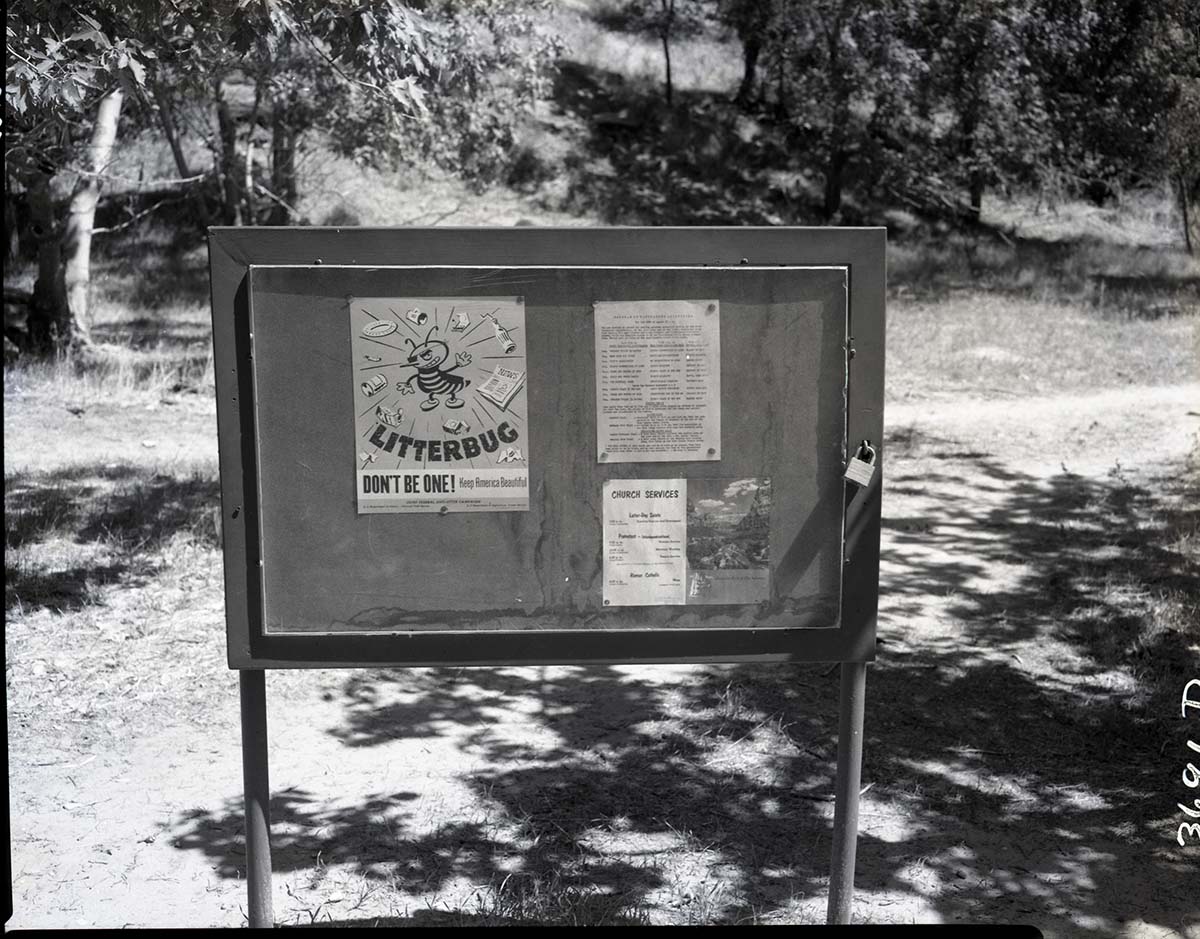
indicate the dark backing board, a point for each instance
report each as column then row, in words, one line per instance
column 783, row 367
column 311, row 582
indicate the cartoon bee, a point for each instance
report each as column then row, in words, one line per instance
column 431, row 377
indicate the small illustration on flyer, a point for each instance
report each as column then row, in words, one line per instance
column 440, row 404
column 728, row 540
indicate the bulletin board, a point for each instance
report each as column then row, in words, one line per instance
column 433, row 450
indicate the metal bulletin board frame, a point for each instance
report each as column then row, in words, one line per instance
column 234, row 251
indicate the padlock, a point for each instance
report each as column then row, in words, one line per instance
column 860, row 471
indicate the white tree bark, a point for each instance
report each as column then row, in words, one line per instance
column 77, row 238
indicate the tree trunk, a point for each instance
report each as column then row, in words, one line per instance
column 839, row 115
column 833, row 181
column 666, row 43
column 668, row 14
column 166, row 118
column 975, row 178
column 77, row 239
column 248, row 186
column 750, row 51
column 230, row 184
column 12, row 237
column 972, row 108
column 1189, row 206
column 976, row 195
column 49, row 324
column 782, row 96
column 283, row 166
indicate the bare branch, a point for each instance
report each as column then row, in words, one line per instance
column 140, row 184
column 292, row 210
column 370, row 86
column 135, row 218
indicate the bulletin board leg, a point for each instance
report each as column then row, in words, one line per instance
column 849, row 775
column 258, row 795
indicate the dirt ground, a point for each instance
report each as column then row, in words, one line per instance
column 1011, row 775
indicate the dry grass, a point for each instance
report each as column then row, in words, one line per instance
column 698, row 63
column 1145, row 219
column 1044, row 309
column 341, row 193
column 106, row 641
column 545, row 900
column 115, row 374
column 971, row 342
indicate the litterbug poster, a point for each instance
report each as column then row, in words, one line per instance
column 440, row 404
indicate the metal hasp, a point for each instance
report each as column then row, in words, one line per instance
column 258, row 796
column 849, row 775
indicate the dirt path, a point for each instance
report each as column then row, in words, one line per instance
column 1042, row 436
column 1009, row 589
column 139, row 430
column 1014, row 567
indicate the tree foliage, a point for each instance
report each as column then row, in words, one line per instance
column 441, row 81
column 63, row 61
column 665, row 20
column 983, row 90
column 1178, row 45
column 928, row 103
column 840, row 73
column 934, row 101
column 749, row 20
column 1106, row 90
column 383, row 82
column 480, row 68
column 60, row 57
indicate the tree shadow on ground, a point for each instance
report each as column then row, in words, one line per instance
column 376, row 840
column 153, row 268
column 1014, row 732
column 107, row 522
column 1045, row 711
column 705, row 161
column 1116, row 281
column 700, row 162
